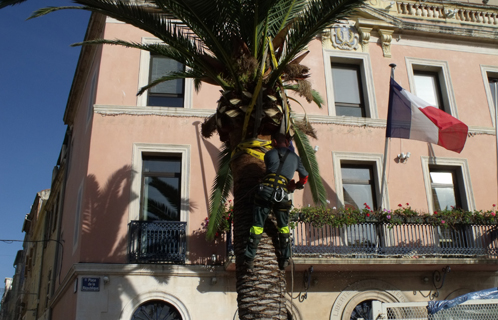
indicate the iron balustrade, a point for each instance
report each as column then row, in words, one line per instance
column 370, row 240
column 157, row 242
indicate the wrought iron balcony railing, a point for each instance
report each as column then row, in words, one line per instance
column 371, row 240
column 157, row 242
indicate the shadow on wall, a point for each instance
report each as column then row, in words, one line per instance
column 307, row 198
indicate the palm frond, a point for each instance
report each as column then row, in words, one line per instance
column 206, row 23
column 308, row 158
column 171, row 76
column 47, row 10
column 317, row 98
column 282, row 14
column 314, row 18
column 6, row 3
column 221, row 188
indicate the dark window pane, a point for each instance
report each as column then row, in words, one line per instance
column 157, row 310
column 168, row 93
column 347, row 90
column 363, row 311
column 161, row 183
column 154, row 164
column 346, row 84
column 161, row 67
column 164, row 101
column 348, row 111
column 493, row 85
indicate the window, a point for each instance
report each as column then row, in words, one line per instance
column 161, row 180
column 169, row 93
column 358, row 179
column 350, row 89
column 166, row 95
column 156, row 309
column 428, row 88
column 490, row 78
column 493, row 87
column 447, row 183
column 444, row 185
column 347, row 92
column 358, row 186
column 430, row 80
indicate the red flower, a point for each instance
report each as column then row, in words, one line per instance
column 368, row 214
column 407, row 204
column 493, row 214
column 435, row 212
column 494, row 205
column 400, row 205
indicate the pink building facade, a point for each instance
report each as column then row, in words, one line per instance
column 137, row 172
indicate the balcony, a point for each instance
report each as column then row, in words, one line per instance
column 157, row 242
column 405, row 246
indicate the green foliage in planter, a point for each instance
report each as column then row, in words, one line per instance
column 321, row 216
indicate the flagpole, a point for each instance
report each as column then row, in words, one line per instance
column 386, row 146
column 495, row 102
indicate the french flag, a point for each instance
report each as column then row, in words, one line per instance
column 410, row 117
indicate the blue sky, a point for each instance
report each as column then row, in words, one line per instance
column 37, row 66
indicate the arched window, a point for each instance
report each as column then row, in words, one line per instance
column 156, row 310
column 363, row 310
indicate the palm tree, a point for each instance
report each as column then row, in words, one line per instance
column 252, row 50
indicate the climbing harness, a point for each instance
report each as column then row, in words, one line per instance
column 278, row 192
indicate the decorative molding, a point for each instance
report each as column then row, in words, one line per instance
column 357, row 292
column 437, row 11
column 106, row 110
column 386, row 37
column 113, row 110
column 364, row 37
column 344, row 36
column 133, row 303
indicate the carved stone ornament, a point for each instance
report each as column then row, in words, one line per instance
column 365, row 37
column 344, row 37
column 386, row 37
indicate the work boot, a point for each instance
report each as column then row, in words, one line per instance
column 284, row 244
column 283, row 263
column 249, row 263
column 252, row 246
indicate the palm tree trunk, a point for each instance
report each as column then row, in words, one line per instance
column 261, row 293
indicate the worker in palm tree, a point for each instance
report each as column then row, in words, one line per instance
column 281, row 164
